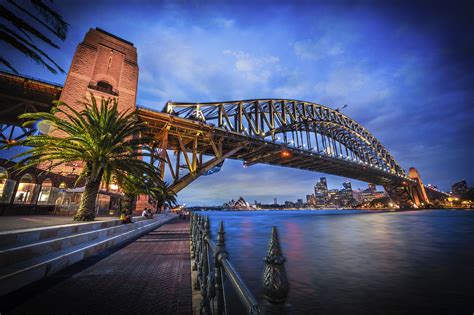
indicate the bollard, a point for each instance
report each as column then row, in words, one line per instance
column 275, row 282
column 220, row 254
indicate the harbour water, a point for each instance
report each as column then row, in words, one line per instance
column 360, row 262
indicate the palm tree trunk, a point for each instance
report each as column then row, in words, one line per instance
column 128, row 200
column 86, row 211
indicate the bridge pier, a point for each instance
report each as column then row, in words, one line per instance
column 409, row 195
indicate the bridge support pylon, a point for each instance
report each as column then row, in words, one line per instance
column 409, row 194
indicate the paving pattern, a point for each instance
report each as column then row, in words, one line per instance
column 151, row 275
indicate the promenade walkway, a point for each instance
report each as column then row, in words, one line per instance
column 151, row 275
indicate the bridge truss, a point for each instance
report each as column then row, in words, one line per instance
column 281, row 132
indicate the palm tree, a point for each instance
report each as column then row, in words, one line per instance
column 133, row 186
column 21, row 34
column 102, row 138
column 164, row 195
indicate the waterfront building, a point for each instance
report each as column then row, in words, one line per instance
column 239, row 204
column 346, row 195
column 372, row 188
column 367, row 195
column 321, row 192
column 459, row 188
column 275, row 201
column 300, row 203
column 289, row 204
column 334, row 197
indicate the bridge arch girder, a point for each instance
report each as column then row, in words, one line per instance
column 351, row 140
column 267, row 118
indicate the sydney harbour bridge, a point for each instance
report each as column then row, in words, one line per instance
column 194, row 139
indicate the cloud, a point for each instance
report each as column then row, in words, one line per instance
column 255, row 70
column 315, row 49
column 222, row 22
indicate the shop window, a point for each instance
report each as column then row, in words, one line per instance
column 27, row 190
column 7, row 186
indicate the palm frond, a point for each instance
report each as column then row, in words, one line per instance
column 7, row 64
column 59, row 30
column 31, row 45
column 19, row 22
column 52, row 18
column 24, row 49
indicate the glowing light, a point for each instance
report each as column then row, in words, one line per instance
column 285, row 154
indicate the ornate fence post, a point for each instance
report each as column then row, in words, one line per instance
column 220, row 254
column 197, row 259
column 275, row 282
column 192, row 223
column 205, row 305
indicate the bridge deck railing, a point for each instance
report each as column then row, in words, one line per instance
column 211, row 261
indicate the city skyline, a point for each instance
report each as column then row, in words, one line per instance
column 218, row 56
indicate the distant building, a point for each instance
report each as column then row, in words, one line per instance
column 275, row 201
column 321, row 192
column 334, row 197
column 459, row 188
column 367, row 195
column 372, row 188
column 240, row 204
column 311, row 200
column 289, row 204
column 300, row 203
column 347, row 198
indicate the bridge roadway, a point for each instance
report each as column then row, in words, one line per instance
column 151, row 275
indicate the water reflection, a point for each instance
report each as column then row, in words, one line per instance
column 341, row 262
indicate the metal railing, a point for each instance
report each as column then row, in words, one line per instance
column 211, row 261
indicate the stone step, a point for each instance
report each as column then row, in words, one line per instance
column 17, row 275
column 29, row 250
column 9, row 239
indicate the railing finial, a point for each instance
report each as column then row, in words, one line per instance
column 275, row 282
column 221, row 235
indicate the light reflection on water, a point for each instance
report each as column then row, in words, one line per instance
column 355, row 262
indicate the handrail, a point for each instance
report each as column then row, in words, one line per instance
column 211, row 261
column 244, row 293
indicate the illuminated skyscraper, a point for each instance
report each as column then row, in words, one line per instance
column 321, row 192
column 459, row 188
column 347, row 198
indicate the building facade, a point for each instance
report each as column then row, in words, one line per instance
column 321, row 192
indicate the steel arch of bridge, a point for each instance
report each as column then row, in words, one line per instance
column 281, row 132
column 304, row 125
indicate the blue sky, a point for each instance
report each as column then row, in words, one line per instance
column 405, row 70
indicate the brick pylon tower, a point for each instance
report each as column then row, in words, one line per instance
column 106, row 66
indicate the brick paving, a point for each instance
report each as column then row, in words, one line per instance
column 151, row 275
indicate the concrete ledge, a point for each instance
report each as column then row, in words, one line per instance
column 49, row 264
column 9, row 239
column 13, row 238
column 24, row 252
